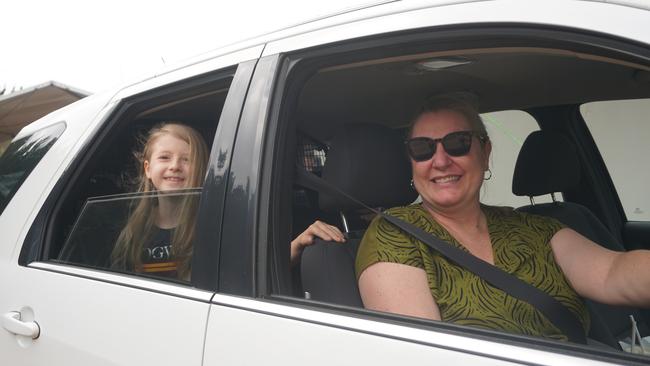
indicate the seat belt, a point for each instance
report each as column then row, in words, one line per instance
column 550, row 307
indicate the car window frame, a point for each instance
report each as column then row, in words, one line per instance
column 35, row 249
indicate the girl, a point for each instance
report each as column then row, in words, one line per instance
column 157, row 238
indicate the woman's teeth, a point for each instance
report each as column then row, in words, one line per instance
column 446, row 179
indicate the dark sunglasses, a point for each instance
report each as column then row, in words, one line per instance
column 455, row 144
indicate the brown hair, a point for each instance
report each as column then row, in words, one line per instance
column 127, row 252
column 456, row 104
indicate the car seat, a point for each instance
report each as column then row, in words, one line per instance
column 548, row 163
column 367, row 162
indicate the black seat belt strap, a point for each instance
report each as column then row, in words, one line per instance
column 549, row 306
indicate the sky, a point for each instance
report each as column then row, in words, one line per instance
column 93, row 45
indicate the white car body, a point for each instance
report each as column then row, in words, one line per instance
column 93, row 317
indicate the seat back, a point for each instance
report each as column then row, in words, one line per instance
column 367, row 162
column 327, row 271
column 548, row 163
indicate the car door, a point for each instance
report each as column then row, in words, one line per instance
column 61, row 309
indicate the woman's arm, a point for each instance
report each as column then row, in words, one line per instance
column 617, row 278
column 318, row 229
column 398, row 288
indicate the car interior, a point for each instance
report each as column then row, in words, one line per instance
column 351, row 110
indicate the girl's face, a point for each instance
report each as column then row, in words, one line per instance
column 448, row 182
column 169, row 166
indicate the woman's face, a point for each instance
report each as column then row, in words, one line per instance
column 169, row 166
column 447, row 182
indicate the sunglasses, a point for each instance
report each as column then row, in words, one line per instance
column 455, row 144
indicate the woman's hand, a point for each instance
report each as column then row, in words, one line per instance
column 318, row 229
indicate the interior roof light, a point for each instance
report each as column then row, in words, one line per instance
column 440, row 63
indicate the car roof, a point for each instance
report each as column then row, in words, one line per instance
column 358, row 13
column 352, row 15
column 252, row 47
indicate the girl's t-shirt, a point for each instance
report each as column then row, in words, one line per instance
column 157, row 258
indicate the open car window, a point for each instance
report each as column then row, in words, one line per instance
column 95, row 238
column 121, row 210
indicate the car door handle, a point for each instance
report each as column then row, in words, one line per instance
column 12, row 323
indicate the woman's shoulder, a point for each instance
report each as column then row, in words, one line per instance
column 385, row 242
column 411, row 213
column 406, row 212
column 510, row 215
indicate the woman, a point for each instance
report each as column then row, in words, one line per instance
column 449, row 151
column 157, row 238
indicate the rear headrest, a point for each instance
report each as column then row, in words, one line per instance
column 369, row 163
column 547, row 163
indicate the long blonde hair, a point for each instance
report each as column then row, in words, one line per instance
column 127, row 253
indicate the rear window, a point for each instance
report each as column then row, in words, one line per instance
column 21, row 157
column 95, row 240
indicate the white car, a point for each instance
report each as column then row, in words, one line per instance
column 268, row 106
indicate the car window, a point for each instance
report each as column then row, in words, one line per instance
column 21, row 157
column 507, row 131
column 621, row 131
column 132, row 203
column 95, row 239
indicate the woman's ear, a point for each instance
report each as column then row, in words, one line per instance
column 487, row 150
column 145, row 165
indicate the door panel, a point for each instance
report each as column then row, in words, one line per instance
column 94, row 322
column 255, row 338
column 250, row 332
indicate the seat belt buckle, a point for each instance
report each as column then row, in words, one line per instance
column 636, row 343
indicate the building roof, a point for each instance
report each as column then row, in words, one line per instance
column 27, row 105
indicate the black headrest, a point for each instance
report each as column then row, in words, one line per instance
column 547, row 163
column 369, row 163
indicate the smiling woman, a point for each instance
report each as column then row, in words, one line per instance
column 449, row 175
column 449, row 178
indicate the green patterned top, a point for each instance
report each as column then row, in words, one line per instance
column 520, row 243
